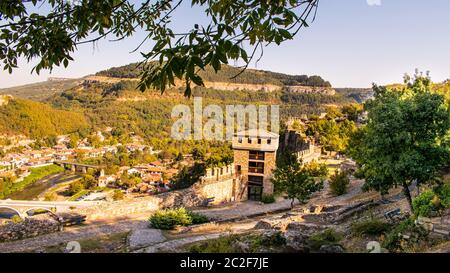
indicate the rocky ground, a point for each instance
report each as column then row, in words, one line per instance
column 325, row 224
column 301, row 228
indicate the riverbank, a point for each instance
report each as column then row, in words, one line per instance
column 9, row 189
column 40, row 189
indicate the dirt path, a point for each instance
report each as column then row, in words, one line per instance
column 175, row 245
column 238, row 215
column 227, row 213
column 244, row 210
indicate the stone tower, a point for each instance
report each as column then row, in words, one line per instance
column 254, row 160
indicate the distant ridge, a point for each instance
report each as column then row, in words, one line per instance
column 41, row 91
column 227, row 75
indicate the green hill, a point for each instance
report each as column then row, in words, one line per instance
column 38, row 120
column 40, row 91
column 117, row 103
column 226, row 74
column 148, row 113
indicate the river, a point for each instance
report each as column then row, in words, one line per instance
column 37, row 189
column 33, row 191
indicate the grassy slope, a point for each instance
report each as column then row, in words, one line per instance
column 36, row 174
column 41, row 90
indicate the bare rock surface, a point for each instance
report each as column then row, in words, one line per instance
column 145, row 237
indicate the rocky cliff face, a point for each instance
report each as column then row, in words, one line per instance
column 230, row 86
column 310, row 90
column 242, row 86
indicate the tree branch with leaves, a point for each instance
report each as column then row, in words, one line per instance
column 52, row 37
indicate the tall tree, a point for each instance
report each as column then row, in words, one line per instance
column 52, row 36
column 299, row 181
column 406, row 138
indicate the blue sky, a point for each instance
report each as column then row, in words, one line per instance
column 351, row 44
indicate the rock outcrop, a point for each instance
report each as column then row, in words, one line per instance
column 29, row 227
column 310, row 90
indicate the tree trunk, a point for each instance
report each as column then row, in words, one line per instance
column 292, row 203
column 407, row 194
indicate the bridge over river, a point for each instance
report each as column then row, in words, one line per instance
column 22, row 208
column 74, row 166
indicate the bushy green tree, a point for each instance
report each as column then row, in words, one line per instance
column 127, row 181
column 352, row 111
column 296, row 180
column 75, row 187
column 339, row 182
column 406, row 138
column 188, row 175
column 332, row 135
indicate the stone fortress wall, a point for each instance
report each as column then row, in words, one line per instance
column 218, row 183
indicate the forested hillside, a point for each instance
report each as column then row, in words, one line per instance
column 38, row 120
column 227, row 74
column 101, row 103
column 148, row 113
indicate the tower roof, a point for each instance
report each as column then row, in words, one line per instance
column 257, row 133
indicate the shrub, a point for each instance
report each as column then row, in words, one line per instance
column 326, row 237
column 198, row 218
column 268, row 198
column 253, row 243
column 444, row 194
column 117, row 195
column 395, row 242
column 16, row 219
column 75, row 187
column 273, row 239
column 170, row 218
column 423, row 205
column 223, row 244
column 370, row 227
column 339, row 182
column 51, row 196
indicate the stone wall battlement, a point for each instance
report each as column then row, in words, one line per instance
column 218, row 173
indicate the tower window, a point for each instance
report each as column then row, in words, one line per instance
column 256, row 167
column 259, row 141
column 256, row 155
column 249, row 140
column 269, row 141
column 240, row 140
